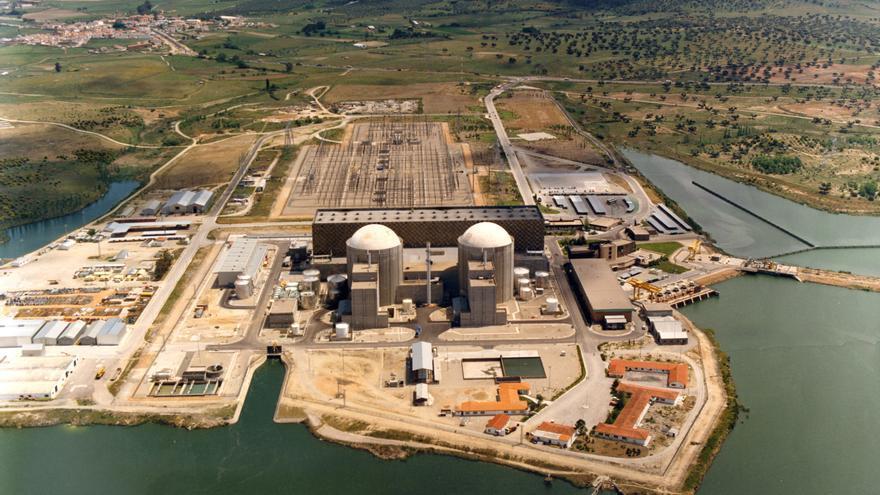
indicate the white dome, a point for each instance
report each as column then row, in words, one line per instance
column 373, row 237
column 485, row 235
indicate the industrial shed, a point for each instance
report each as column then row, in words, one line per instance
column 72, row 333
column 90, row 335
column 112, row 333
column 151, row 208
column 599, row 293
column 15, row 332
column 50, row 332
column 37, row 377
column 243, row 257
column 187, row 202
column 422, row 359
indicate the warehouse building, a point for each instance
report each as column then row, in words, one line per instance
column 50, row 332
column 282, row 314
column 91, row 332
column 152, row 208
column 599, row 293
column 416, row 227
column 72, row 333
column 34, row 377
column 112, row 333
column 244, row 256
column 187, row 201
column 422, row 362
column 16, row 332
column 667, row 330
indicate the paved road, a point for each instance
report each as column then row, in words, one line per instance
column 522, row 183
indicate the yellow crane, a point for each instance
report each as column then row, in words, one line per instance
column 639, row 286
column 694, row 249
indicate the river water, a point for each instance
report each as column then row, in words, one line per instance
column 805, row 359
column 255, row 456
column 30, row 237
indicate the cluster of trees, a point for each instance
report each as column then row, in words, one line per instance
column 164, row 260
column 777, row 164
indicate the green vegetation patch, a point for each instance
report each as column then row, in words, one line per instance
column 779, row 164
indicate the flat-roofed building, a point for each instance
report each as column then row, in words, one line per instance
column 418, row 226
column 244, row 256
column 34, row 377
column 599, row 293
column 667, row 330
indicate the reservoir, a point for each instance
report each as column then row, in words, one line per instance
column 255, row 455
column 30, row 237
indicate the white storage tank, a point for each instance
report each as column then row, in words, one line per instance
column 244, row 287
column 407, row 305
column 296, row 330
column 312, row 272
column 552, row 305
column 343, row 331
column 525, row 293
column 522, row 283
column 520, row 272
column 542, row 279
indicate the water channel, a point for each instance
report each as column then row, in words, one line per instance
column 30, row 237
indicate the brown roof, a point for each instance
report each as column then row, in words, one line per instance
column 564, row 432
column 508, row 400
column 498, row 422
column 625, row 424
column 678, row 372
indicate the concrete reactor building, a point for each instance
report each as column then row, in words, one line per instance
column 485, row 274
column 377, row 245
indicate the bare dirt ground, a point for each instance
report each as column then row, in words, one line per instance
column 533, row 112
column 52, row 14
column 436, row 97
column 819, row 75
column 207, row 164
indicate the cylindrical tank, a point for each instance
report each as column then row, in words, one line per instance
column 490, row 242
column 521, row 284
column 244, row 287
column 552, row 305
column 520, row 272
column 296, row 330
column 312, row 272
column 542, row 279
column 337, row 285
column 311, row 284
column 308, row 299
column 342, row 331
column 525, row 293
column 407, row 305
column 380, row 247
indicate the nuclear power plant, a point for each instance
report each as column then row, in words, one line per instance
column 382, row 276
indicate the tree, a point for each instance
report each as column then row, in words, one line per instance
column 268, row 85
column 118, row 25
column 145, row 8
column 288, row 67
column 163, row 264
column 868, row 190
column 57, row 66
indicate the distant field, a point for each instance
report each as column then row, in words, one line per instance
column 206, row 165
column 38, row 141
column 436, row 97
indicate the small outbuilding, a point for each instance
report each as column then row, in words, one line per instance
column 422, row 362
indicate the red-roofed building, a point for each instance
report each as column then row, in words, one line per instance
column 499, row 425
column 508, row 402
column 677, row 373
column 626, row 426
column 554, row 434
